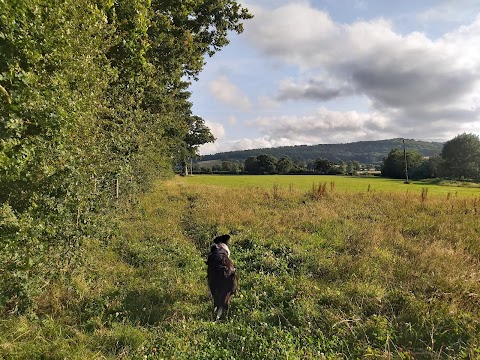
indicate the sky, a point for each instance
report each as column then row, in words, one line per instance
column 339, row 71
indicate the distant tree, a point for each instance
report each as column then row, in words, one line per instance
column 226, row 166
column 394, row 164
column 267, row 164
column 323, row 166
column 251, row 165
column 461, row 156
column 299, row 165
column 356, row 166
column 349, row 167
column 231, row 167
column 428, row 169
column 284, row 165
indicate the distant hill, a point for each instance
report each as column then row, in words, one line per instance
column 367, row 152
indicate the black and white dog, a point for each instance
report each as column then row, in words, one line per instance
column 221, row 274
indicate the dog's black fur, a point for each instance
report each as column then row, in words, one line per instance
column 222, row 276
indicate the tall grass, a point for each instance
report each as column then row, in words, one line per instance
column 338, row 276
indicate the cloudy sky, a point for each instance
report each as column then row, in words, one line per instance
column 336, row 71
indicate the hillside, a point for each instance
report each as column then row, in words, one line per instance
column 362, row 151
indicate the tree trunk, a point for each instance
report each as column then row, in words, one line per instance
column 184, row 168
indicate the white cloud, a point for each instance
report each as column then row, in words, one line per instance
column 450, row 11
column 325, row 126
column 414, row 83
column 228, row 93
column 244, row 144
column 216, row 129
column 330, row 127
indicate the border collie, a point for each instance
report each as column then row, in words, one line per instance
column 221, row 274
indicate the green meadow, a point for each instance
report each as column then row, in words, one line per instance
column 348, row 184
column 325, row 272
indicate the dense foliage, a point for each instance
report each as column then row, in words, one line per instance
column 461, row 156
column 459, row 159
column 394, row 164
column 268, row 164
column 94, row 106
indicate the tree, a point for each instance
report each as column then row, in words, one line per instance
column 251, row 165
column 356, row 165
column 53, row 78
column 198, row 133
column 284, row 165
column 266, row 164
column 428, row 169
column 232, row 167
column 393, row 165
column 461, row 156
column 323, row 166
column 349, row 167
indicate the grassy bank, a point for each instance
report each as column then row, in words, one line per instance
column 324, row 273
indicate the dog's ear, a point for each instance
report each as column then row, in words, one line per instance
column 222, row 239
column 213, row 248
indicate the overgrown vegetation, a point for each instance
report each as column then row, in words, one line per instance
column 94, row 106
column 322, row 275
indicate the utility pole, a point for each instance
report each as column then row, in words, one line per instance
column 405, row 156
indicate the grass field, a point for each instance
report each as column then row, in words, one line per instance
column 330, row 273
column 342, row 183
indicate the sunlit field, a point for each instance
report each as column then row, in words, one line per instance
column 324, row 273
column 340, row 183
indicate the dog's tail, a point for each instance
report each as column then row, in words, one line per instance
column 222, row 307
column 220, row 311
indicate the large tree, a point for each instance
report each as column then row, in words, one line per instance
column 251, row 165
column 461, row 156
column 284, row 165
column 393, row 165
column 323, row 166
column 267, row 164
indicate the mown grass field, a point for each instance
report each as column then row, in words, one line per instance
column 330, row 273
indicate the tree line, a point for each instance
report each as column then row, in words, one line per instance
column 366, row 152
column 267, row 164
column 459, row 159
column 94, row 106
